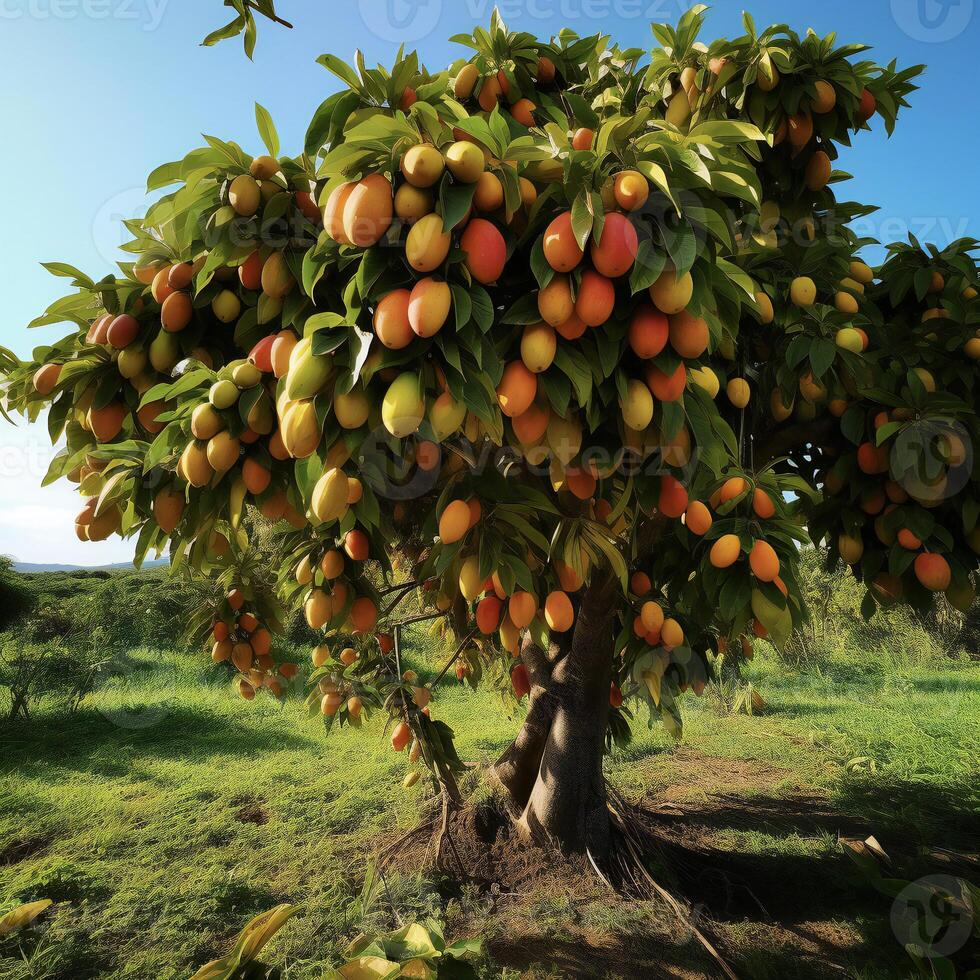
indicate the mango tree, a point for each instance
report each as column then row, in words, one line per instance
column 574, row 346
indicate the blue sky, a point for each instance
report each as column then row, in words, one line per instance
column 99, row 92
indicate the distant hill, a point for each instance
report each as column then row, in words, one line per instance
column 27, row 568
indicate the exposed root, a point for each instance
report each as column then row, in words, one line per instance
column 628, row 852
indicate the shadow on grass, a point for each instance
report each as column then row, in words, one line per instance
column 89, row 741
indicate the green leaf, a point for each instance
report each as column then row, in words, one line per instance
column 267, row 130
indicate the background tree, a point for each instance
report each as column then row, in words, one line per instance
column 577, row 351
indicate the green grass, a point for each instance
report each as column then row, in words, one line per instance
column 166, row 812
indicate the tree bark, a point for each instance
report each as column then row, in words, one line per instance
column 552, row 773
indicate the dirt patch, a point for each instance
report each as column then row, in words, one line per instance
column 750, row 854
column 251, row 810
column 686, row 773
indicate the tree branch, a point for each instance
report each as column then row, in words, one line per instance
column 251, row 4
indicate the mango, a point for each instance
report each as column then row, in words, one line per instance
column 352, row 410
column 637, row 408
column 446, row 416
column 486, row 250
column 465, row 81
column 223, row 452
column 403, row 407
column 131, row 362
column 671, row 293
column 300, row 429
column 168, row 508
column 427, row 245
column 223, row 394
column 428, row 306
column 368, row 211
column 244, row 195
column 308, row 373
column 194, row 465
column 226, row 306
column 277, row 280
column 262, row 416
column 614, row 253
column 330, row 496
column 422, row 165
column 555, row 302
column 465, row 161
column 565, row 438
column 391, row 324
column 412, row 203
column 538, row 347
column 282, row 350
column 333, row 213
column 561, row 249
column 206, row 422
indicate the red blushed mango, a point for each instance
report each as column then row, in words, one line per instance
column 486, row 250
column 572, row 328
column 523, row 111
column 531, row 425
column 517, row 389
column 667, row 387
column 123, row 330
column 933, row 572
column 261, row 354
column 391, row 323
column 561, row 250
column 673, row 499
column 250, row 271
column 596, row 299
column 688, row 335
column 614, row 253
column 649, row 330
column 177, row 312
column 106, row 423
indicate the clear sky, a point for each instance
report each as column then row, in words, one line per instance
column 97, row 93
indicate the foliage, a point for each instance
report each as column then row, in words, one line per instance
column 244, row 22
column 15, row 598
column 415, row 950
column 30, row 672
column 473, row 340
column 249, row 944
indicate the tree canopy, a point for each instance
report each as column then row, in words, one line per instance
column 559, row 331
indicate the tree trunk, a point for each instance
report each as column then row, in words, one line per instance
column 552, row 773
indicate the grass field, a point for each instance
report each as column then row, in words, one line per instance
column 166, row 813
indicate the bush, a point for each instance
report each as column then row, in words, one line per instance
column 31, row 672
column 896, row 637
column 16, row 598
